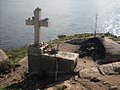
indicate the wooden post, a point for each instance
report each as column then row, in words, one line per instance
column 96, row 21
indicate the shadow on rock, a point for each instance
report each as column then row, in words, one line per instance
column 35, row 82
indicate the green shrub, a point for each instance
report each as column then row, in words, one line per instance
column 115, row 38
column 2, row 88
column 61, row 36
column 16, row 54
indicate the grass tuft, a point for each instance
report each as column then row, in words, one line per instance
column 16, row 54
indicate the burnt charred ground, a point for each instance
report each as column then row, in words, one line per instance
column 92, row 47
column 99, row 49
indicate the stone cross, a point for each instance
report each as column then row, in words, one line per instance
column 37, row 23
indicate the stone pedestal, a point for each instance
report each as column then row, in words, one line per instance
column 40, row 63
column 34, row 59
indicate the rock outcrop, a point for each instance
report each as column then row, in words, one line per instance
column 67, row 47
column 106, row 69
column 4, row 62
column 110, row 69
column 24, row 62
column 112, row 50
column 3, row 56
column 89, row 72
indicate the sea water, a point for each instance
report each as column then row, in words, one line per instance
column 66, row 17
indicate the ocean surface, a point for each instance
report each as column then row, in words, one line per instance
column 66, row 17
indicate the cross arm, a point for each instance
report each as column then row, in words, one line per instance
column 29, row 21
column 44, row 22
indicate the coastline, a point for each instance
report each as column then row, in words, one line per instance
column 17, row 54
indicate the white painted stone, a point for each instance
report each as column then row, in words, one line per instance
column 37, row 23
column 64, row 55
column 67, row 55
